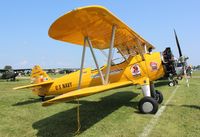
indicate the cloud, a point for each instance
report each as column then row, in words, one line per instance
column 23, row 63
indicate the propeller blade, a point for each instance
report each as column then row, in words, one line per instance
column 177, row 43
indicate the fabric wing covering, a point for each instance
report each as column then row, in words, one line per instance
column 85, row 92
column 96, row 23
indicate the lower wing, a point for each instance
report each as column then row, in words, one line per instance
column 84, row 92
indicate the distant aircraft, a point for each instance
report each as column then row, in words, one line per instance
column 97, row 28
column 10, row 74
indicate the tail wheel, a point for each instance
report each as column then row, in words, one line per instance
column 148, row 105
column 159, row 97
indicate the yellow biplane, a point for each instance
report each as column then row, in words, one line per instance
column 97, row 28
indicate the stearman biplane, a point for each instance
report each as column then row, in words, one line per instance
column 94, row 27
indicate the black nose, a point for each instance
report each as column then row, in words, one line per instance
column 169, row 62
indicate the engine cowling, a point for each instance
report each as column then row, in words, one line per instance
column 169, row 62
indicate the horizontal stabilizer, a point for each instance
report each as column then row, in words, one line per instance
column 84, row 92
column 34, row 85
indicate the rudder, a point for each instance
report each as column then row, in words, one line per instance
column 38, row 75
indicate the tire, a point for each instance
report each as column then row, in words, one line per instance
column 159, row 97
column 176, row 82
column 171, row 84
column 180, row 78
column 148, row 105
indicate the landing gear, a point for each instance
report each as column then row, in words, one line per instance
column 158, row 97
column 173, row 83
column 151, row 100
column 42, row 98
column 148, row 105
column 180, row 77
column 176, row 82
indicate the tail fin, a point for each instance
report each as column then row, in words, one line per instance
column 38, row 75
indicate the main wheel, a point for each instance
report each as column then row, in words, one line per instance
column 171, row 83
column 159, row 97
column 180, row 77
column 148, row 105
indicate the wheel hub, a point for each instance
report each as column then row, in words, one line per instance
column 171, row 84
column 147, row 107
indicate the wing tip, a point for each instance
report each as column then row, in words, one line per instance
column 17, row 88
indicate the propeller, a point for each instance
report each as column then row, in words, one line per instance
column 178, row 45
column 182, row 59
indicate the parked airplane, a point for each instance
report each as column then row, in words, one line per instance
column 10, row 74
column 180, row 65
column 97, row 28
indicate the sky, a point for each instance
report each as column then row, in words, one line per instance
column 24, row 24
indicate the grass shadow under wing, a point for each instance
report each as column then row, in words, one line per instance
column 65, row 123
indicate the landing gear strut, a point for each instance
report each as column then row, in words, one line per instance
column 42, row 98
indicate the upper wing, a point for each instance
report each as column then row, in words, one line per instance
column 96, row 23
column 34, row 85
column 84, row 92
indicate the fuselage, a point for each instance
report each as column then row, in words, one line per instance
column 135, row 69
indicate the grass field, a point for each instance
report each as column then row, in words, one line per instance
column 110, row 114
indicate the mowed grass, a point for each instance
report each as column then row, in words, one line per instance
column 110, row 114
column 182, row 115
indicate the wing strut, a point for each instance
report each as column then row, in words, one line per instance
column 95, row 60
column 82, row 63
column 79, row 85
column 87, row 40
column 140, row 49
column 122, row 55
column 110, row 54
column 145, row 48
